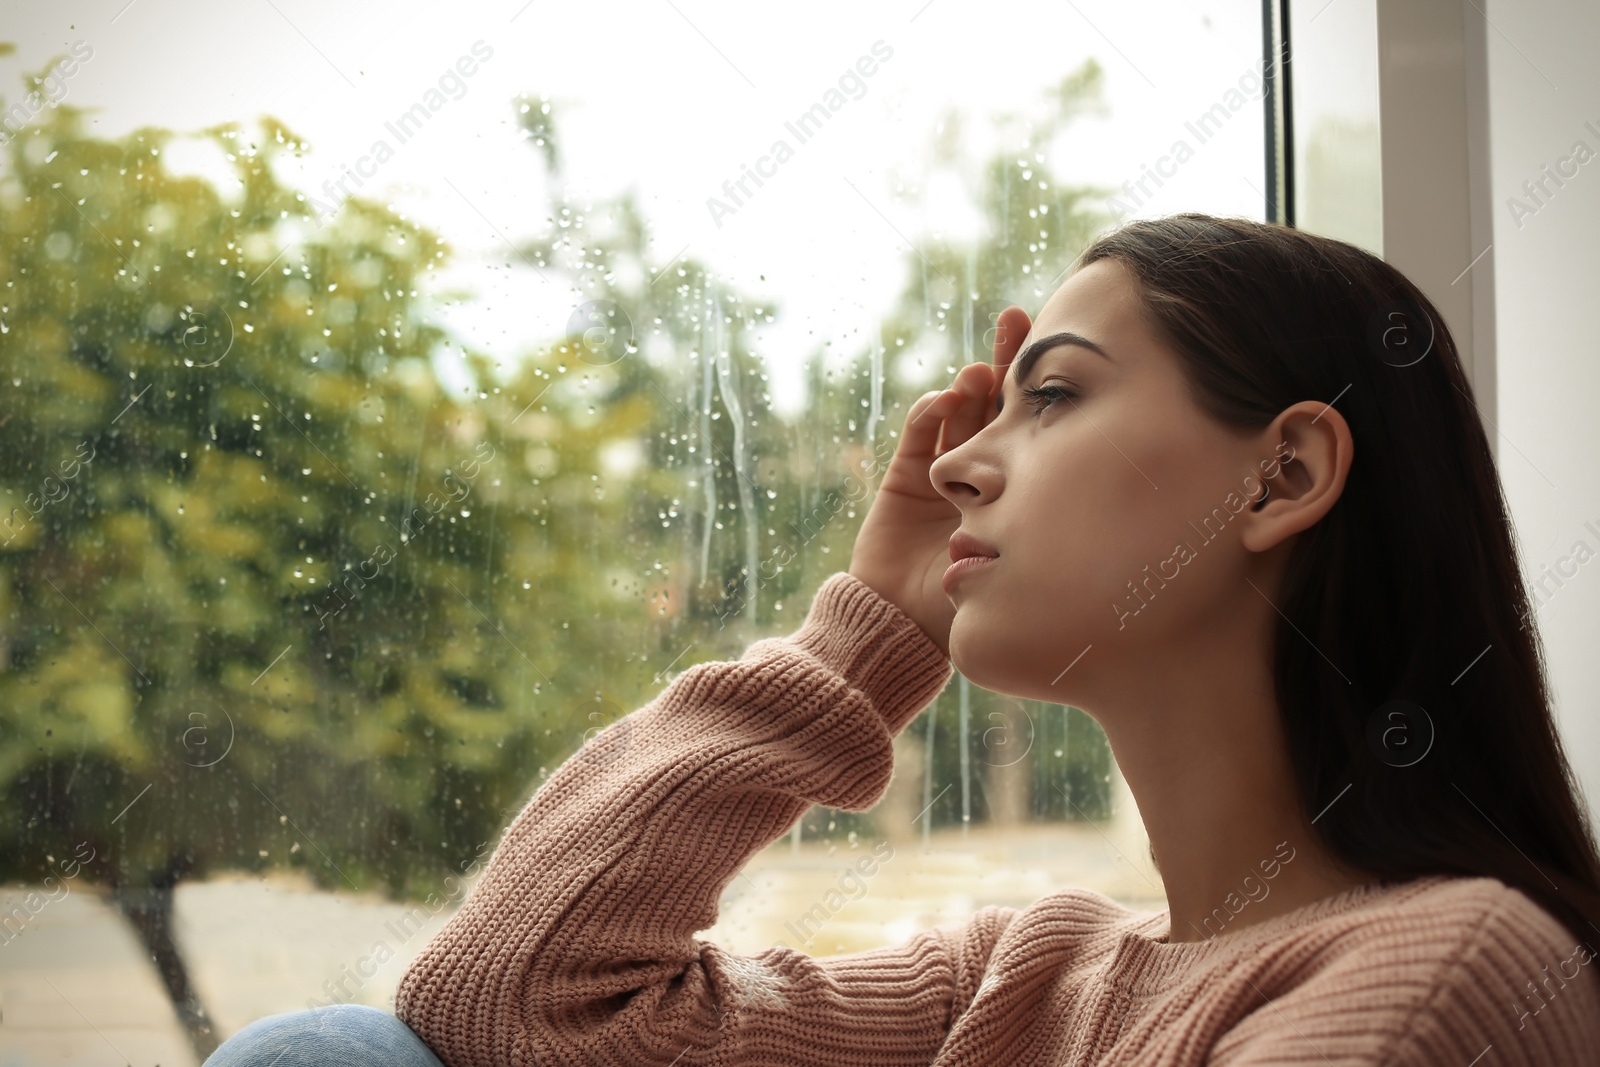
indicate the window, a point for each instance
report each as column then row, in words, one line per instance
column 389, row 406
column 1338, row 181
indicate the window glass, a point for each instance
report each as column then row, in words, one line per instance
column 1338, row 186
column 392, row 400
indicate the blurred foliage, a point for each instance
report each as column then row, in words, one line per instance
column 274, row 595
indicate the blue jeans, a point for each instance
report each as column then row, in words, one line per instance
column 341, row 1035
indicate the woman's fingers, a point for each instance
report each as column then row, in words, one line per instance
column 921, row 434
column 1011, row 330
column 908, row 470
column 942, row 419
column 971, row 389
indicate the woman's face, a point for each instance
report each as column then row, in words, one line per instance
column 1079, row 497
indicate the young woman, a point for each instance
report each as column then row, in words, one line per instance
column 1230, row 495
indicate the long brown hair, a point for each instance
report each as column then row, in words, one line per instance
column 1406, row 663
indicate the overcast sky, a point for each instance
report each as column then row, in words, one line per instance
column 671, row 98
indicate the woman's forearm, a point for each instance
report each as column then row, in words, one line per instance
column 578, row 939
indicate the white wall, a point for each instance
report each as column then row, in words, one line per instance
column 1544, row 86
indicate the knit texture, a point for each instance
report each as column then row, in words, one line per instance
column 576, row 946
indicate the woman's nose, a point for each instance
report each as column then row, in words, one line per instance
column 953, row 476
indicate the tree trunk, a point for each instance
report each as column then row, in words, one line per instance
column 148, row 909
column 1008, row 741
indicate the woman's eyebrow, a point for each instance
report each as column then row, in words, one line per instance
column 1023, row 364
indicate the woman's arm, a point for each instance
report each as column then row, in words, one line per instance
column 577, row 946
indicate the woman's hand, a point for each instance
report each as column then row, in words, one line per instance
column 903, row 548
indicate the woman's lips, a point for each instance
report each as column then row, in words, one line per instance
column 962, row 567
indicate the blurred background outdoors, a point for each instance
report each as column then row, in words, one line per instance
column 280, row 279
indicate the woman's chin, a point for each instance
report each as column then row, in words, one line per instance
column 973, row 653
column 1011, row 664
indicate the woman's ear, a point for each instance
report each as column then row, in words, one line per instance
column 1311, row 448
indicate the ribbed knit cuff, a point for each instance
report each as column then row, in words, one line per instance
column 876, row 647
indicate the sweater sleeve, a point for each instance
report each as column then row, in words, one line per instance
column 577, row 943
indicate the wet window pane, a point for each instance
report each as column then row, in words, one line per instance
column 390, row 404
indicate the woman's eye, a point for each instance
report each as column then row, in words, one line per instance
column 1042, row 397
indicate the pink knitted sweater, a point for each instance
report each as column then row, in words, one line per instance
column 577, row 945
